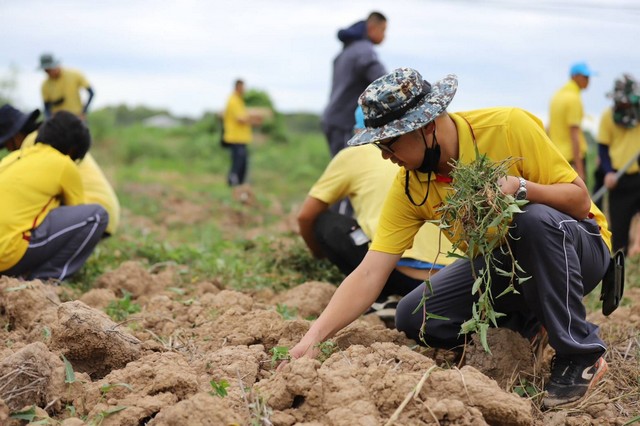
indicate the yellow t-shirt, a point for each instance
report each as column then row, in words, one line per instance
column 361, row 174
column 97, row 189
column 499, row 133
column 64, row 92
column 623, row 143
column 235, row 131
column 33, row 181
column 566, row 111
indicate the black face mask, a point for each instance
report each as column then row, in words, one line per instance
column 431, row 156
column 429, row 165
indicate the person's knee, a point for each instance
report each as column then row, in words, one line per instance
column 406, row 319
column 101, row 217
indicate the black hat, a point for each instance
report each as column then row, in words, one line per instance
column 12, row 121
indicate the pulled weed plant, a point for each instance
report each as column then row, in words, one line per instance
column 479, row 214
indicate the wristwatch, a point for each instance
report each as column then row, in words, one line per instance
column 521, row 192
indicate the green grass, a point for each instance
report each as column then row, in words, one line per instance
column 160, row 174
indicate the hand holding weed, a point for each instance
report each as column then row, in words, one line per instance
column 508, row 184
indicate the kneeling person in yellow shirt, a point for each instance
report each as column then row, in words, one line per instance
column 20, row 131
column 46, row 232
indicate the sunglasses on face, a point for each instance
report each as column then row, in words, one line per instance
column 385, row 145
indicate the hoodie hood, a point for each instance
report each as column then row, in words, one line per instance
column 357, row 31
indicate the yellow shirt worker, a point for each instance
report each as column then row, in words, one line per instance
column 560, row 239
column 618, row 149
column 565, row 118
column 344, row 239
column 46, row 232
column 237, row 134
column 61, row 90
column 97, row 189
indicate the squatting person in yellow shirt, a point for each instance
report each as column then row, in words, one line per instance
column 618, row 145
column 561, row 239
column 20, row 132
column 61, row 89
column 565, row 118
column 46, row 232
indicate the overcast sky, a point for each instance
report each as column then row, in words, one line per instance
column 184, row 55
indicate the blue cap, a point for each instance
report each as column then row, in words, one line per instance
column 580, row 68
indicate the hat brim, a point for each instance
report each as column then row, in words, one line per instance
column 431, row 106
column 17, row 125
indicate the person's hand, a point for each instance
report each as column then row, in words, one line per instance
column 303, row 348
column 610, row 180
column 509, row 184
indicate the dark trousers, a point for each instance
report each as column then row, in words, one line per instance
column 239, row 164
column 62, row 243
column 598, row 182
column 566, row 260
column 332, row 233
column 624, row 203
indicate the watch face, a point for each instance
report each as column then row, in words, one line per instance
column 521, row 194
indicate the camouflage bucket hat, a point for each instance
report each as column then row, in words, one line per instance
column 401, row 102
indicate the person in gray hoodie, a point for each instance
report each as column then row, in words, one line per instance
column 353, row 70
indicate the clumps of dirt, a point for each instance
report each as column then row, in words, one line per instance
column 27, row 306
column 307, row 299
column 200, row 409
column 144, row 386
column 369, row 385
column 91, row 341
column 510, row 356
column 32, row 375
column 205, row 354
column 135, row 279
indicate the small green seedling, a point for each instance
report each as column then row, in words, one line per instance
column 69, row 374
column 279, row 353
column 219, row 388
column 120, row 309
column 327, row 349
column 286, row 312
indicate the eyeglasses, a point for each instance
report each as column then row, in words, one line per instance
column 386, row 144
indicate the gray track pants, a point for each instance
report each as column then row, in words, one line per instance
column 566, row 260
column 62, row 243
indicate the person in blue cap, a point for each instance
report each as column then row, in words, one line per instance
column 565, row 118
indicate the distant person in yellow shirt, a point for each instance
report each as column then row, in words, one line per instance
column 61, row 89
column 46, row 230
column 19, row 131
column 238, row 134
column 565, row 118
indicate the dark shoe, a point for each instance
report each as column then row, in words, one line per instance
column 571, row 379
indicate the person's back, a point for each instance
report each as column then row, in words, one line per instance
column 45, row 229
column 353, row 70
column 97, row 189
